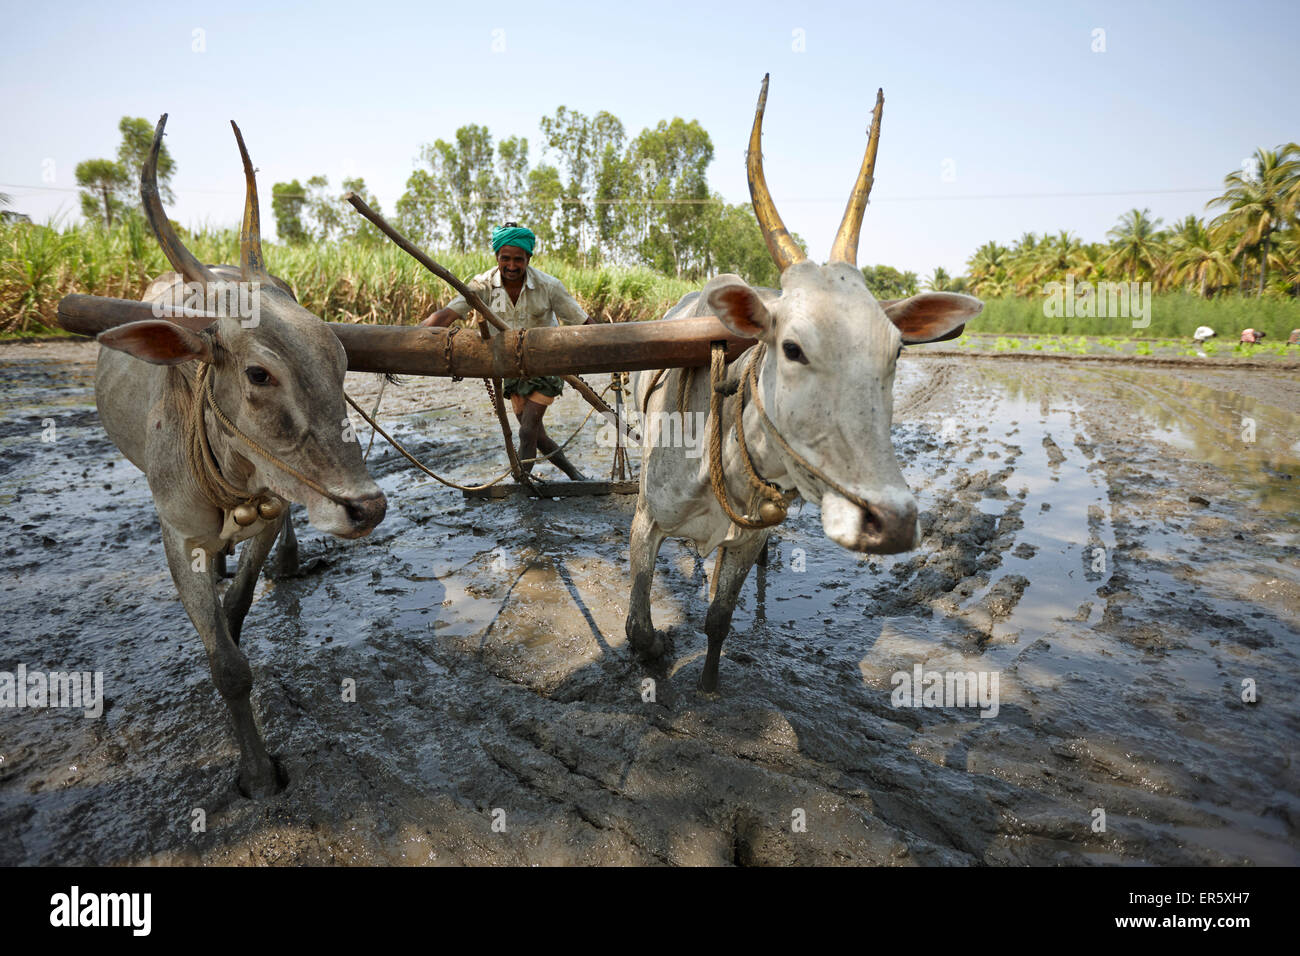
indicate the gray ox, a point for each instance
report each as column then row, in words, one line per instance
column 816, row 421
column 279, row 382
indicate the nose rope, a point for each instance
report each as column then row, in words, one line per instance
column 203, row 390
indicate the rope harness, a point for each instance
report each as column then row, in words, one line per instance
column 775, row 503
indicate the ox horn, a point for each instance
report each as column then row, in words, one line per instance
column 785, row 251
column 251, row 264
column 182, row 259
column 845, row 248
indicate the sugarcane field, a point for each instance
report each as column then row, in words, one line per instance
column 791, row 451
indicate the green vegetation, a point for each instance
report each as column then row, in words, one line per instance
column 1174, row 315
column 340, row 281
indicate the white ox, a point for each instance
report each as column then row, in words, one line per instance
column 279, row 381
column 818, row 427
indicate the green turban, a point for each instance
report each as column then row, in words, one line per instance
column 514, row 236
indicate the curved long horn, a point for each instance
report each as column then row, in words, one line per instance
column 182, row 259
column 845, row 248
column 251, row 264
column 785, row 251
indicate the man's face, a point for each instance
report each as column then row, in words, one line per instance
column 513, row 262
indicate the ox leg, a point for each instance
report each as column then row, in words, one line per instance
column 239, row 597
column 230, row 671
column 285, row 563
column 729, row 575
column 647, row 537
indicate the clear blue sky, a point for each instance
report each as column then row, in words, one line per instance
column 1012, row 94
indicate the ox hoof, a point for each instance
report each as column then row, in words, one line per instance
column 646, row 643
column 647, row 648
column 262, row 783
column 708, row 683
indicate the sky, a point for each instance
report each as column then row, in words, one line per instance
column 999, row 118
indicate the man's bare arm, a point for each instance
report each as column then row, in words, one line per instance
column 440, row 319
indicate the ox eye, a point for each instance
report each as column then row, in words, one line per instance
column 259, row 376
column 794, row 353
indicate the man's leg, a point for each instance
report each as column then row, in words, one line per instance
column 533, row 437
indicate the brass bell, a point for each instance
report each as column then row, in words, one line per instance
column 771, row 512
column 269, row 508
column 244, row 514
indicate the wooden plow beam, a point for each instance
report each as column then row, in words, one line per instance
column 512, row 353
column 411, row 350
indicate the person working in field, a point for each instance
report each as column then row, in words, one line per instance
column 524, row 298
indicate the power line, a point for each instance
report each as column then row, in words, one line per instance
column 937, row 197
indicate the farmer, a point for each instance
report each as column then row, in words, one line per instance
column 524, row 298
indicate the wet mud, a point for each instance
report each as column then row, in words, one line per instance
column 1105, row 540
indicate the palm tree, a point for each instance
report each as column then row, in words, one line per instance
column 939, row 280
column 1091, row 263
column 1288, row 250
column 1260, row 204
column 985, row 264
column 1055, row 256
column 1197, row 258
column 1136, row 247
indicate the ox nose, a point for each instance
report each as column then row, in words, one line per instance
column 365, row 513
column 886, row 525
column 888, row 529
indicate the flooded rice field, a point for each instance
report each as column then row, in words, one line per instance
column 1119, row 547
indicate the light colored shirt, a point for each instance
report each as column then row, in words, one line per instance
column 542, row 301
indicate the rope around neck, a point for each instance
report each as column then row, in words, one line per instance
column 213, row 485
column 772, row 510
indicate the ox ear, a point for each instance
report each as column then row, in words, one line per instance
column 158, row 342
column 932, row 316
column 740, row 309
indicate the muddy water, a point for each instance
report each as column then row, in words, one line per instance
column 1061, row 553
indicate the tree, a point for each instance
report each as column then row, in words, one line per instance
column 1260, row 202
column 1055, row 256
column 582, row 145
column 1135, row 250
column 672, row 160
column 102, row 182
column 545, row 192
column 111, row 188
column 137, row 140
column 419, row 209
column 988, row 261
column 458, row 195
column 288, row 202
column 939, row 280
column 1196, row 259
column 886, row 282
column 324, row 217
column 736, row 244
column 512, row 177
column 353, row 227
